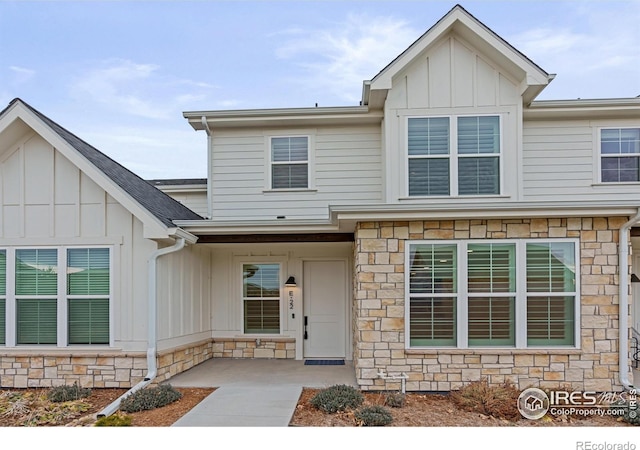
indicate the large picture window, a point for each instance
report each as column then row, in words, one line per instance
column 261, row 298
column 469, row 294
column 619, row 155
column 46, row 283
column 453, row 155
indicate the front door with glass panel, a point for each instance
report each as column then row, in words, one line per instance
column 325, row 306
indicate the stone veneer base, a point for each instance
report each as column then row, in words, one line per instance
column 379, row 310
column 110, row 369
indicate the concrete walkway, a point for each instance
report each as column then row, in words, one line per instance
column 254, row 392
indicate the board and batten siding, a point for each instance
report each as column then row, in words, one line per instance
column 561, row 161
column 46, row 201
column 345, row 168
column 450, row 78
column 184, row 297
column 452, row 74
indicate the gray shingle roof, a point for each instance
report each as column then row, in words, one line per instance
column 163, row 207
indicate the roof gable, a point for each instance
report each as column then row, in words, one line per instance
column 460, row 22
column 153, row 207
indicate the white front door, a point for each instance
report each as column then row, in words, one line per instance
column 325, row 308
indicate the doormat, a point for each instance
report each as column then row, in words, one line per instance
column 324, row 362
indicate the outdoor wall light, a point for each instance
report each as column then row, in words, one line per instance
column 291, row 282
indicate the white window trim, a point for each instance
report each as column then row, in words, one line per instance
column 597, row 155
column 61, row 298
column 453, row 155
column 311, row 186
column 283, row 316
column 520, row 315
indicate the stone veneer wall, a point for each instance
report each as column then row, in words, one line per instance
column 125, row 370
column 245, row 347
column 379, row 310
column 106, row 370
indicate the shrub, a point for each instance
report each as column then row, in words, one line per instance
column 339, row 397
column 150, row 398
column 496, row 401
column 628, row 415
column 115, row 420
column 373, row 416
column 67, row 393
column 395, row 399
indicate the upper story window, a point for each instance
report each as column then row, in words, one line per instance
column 290, row 162
column 620, row 155
column 450, row 156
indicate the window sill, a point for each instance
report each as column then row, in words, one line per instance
column 494, row 351
column 74, row 351
column 616, row 184
column 277, row 191
column 449, row 197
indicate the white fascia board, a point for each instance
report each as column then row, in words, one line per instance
column 484, row 211
column 587, row 108
column 153, row 227
column 266, row 117
column 344, row 217
column 183, row 188
column 257, row 227
column 460, row 21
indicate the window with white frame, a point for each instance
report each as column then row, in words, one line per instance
column 261, row 298
column 619, row 155
column 88, row 295
column 450, row 156
column 517, row 293
column 46, row 281
column 290, row 162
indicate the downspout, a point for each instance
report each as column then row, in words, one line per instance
column 623, row 302
column 152, row 365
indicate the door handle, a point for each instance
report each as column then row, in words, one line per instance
column 306, row 322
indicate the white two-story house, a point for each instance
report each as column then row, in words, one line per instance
column 449, row 228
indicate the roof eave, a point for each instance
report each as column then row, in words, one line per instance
column 280, row 116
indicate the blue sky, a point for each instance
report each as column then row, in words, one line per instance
column 119, row 74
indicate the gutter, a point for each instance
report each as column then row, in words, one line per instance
column 152, row 366
column 623, row 302
column 205, row 125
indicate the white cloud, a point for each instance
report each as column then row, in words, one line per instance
column 150, row 151
column 21, row 74
column 588, row 46
column 339, row 58
column 138, row 89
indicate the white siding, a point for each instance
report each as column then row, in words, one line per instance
column 345, row 168
column 184, row 296
column 47, row 201
column 196, row 201
column 450, row 78
column 226, row 277
column 560, row 163
column 452, row 74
